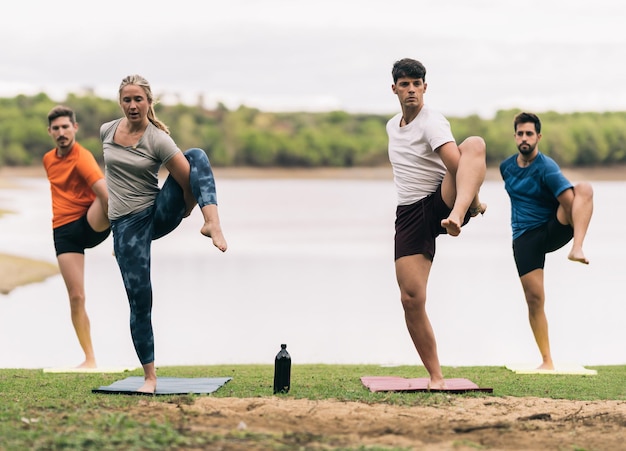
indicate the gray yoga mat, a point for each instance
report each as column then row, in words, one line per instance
column 165, row 385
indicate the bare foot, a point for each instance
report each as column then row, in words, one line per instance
column 546, row 366
column 149, row 386
column 437, row 384
column 452, row 226
column 88, row 364
column 481, row 208
column 577, row 255
column 214, row 231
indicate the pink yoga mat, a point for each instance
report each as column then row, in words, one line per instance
column 392, row 383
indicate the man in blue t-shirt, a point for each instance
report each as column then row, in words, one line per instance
column 547, row 211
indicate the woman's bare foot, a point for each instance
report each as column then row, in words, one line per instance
column 149, row 386
column 149, row 378
column 212, row 227
column 452, row 225
column 214, row 231
column 577, row 255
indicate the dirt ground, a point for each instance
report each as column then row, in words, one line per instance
column 494, row 423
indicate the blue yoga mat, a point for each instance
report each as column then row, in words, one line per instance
column 166, row 385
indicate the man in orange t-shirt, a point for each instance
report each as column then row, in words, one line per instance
column 79, row 214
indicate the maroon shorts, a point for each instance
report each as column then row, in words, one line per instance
column 418, row 224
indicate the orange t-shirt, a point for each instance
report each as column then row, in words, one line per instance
column 71, row 178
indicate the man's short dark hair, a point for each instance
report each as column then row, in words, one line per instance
column 409, row 68
column 61, row 111
column 525, row 118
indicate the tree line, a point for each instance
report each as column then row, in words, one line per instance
column 250, row 137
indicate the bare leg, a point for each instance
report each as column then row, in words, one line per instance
column 582, row 208
column 462, row 191
column 96, row 216
column 212, row 227
column 535, row 298
column 72, row 269
column 412, row 273
column 150, row 379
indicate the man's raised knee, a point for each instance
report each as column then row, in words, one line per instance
column 583, row 189
column 475, row 144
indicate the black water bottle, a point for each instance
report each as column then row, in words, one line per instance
column 282, row 371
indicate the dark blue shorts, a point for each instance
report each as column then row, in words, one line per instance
column 418, row 224
column 531, row 247
column 77, row 236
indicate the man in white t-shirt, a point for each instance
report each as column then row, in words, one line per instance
column 437, row 183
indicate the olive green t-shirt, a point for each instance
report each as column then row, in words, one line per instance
column 132, row 172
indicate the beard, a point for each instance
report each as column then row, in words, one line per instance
column 526, row 149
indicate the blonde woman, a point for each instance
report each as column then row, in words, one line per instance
column 135, row 147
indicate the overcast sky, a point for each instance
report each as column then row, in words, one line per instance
column 286, row 55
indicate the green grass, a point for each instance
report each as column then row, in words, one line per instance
column 58, row 411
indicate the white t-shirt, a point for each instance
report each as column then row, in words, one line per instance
column 132, row 172
column 417, row 168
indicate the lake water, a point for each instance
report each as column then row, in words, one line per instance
column 310, row 264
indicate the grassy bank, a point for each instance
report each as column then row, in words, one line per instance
column 58, row 411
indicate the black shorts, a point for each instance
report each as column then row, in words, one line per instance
column 531, row 247
column 77, row 236
column 418, row 224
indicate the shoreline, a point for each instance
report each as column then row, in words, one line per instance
column 609, row 173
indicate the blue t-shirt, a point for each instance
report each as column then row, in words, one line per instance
column 533, row 191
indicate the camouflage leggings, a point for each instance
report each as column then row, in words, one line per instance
column 132, row 238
